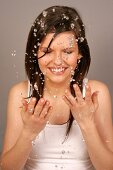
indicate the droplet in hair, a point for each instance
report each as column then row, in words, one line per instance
column 76, row 40
column 72, row 25
column 36, row 87
column 76, row 18
column 35, row 54
column 36, row 72
column 42, row 24
column 35, row 30
column 38, row 44
column 53, row 9
column 65, row 17
column 35, row 46
column 81, row 39
column 26, row 53
column 44, row 13
column 34, row 34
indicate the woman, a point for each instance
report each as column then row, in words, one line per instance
column 56, row 120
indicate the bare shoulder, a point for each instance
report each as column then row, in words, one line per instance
column 19, row 89
column 99, row 86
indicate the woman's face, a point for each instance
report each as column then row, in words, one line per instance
column 60, row 61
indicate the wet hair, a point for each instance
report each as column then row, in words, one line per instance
column 56, row 19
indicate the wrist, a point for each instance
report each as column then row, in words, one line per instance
column 89, row 127
column 28, row 135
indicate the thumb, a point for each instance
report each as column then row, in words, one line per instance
column 95, row 99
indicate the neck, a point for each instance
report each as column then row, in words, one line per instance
column 55, row 90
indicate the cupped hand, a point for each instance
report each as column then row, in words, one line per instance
column 35, row 117
column 83, row 109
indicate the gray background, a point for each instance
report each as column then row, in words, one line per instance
column 16, row 18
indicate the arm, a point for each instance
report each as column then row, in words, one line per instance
column 93, row 115
column 22, row 127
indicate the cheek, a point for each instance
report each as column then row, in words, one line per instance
column 71, row 59
column 43, row 62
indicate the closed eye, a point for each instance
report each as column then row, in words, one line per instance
column 68, row 51
column 46, row 50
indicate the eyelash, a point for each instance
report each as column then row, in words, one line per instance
column 68, row 52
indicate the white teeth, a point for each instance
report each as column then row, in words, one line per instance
column 57, row 69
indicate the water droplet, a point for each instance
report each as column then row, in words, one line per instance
column 55, row 96
column 61, row 167
column 33, row 143
column 83, row 140
column 44, row 13
column 65, row 17
column 53, row 9
column 42, row 24
column 34, row 34
column 63, row 151
column 38, row 44
column 35, row 30
column 13, row 53
column 72, row 25
column 36, row 72
column 35, row 46
column 35, row 54
column 76, row 18
column 81, row 39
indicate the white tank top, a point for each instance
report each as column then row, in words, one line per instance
column 52, row 151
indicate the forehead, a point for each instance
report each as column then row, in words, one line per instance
column 62, row 39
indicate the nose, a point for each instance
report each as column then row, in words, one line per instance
column 58, row 60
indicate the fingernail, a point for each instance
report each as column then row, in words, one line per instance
column 66, row 91
column 51, row 107
column 47, row 102
column 87, row 86
column 41, row 100
column 33, row 99
column 74, row 85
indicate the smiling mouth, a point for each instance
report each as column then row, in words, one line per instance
column 59, row 70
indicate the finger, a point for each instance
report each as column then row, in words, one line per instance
column 95, row 99
column 67, row 101
column 69, row 97
column 31, row 105
column 25, row 104
column 78, row 93
column 88, row 95
column 45, row 109
column 39, row 107
column 48, row 113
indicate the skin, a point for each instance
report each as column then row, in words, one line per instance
column 93, row 113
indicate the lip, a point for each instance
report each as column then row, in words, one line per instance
column 57, row 70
